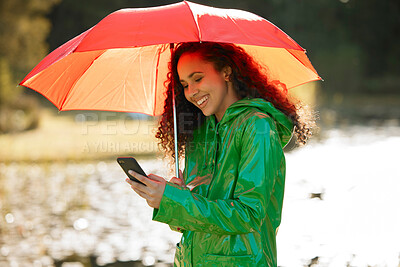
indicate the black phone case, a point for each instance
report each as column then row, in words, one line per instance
column 130, row 163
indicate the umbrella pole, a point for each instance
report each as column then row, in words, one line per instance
column 171, row 47
column 175, row 136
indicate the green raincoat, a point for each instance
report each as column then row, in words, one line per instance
column 235, row 177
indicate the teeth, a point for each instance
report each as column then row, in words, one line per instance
column 202, row 100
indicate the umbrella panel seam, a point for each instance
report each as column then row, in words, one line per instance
column 73, row 85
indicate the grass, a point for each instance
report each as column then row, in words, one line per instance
column 80, row 136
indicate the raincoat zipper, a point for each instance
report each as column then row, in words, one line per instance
column 214, row 157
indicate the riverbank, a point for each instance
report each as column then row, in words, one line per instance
column 80, row 136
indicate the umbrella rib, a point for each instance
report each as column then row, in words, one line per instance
column 135, row 56
column 238, row 28
column 195, row 20
column 302, row 63
column 73, row 85
column 126, row 75
column 141, row 74
column 156, row 80
column 124, row 90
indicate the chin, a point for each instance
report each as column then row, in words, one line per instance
column 207, row 113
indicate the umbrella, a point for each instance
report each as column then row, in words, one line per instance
column 121, row 63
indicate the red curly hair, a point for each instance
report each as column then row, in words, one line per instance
column 249, row 79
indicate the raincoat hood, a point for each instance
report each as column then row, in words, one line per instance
column 283, row 124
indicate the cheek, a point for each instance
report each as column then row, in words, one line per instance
column 185, row 93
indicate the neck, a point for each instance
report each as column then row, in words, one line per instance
column 230, row 98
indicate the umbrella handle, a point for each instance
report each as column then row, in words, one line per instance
column 175, row 136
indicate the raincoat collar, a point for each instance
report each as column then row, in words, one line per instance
column 283, row 123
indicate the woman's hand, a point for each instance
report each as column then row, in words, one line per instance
column 178, row 181
column 153, row 189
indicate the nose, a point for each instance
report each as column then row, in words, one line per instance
column 191, row 90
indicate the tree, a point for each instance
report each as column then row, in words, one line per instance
column 23, row 32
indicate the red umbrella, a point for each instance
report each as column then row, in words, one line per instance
column 120, row 64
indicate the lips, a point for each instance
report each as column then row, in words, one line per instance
column 202, row 101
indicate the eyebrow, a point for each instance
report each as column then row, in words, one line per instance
column 191, row 75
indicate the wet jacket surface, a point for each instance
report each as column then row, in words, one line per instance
column 235, row 176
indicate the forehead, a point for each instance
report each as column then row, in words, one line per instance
column 192, row 62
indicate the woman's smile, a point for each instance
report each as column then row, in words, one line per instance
column 203, row 101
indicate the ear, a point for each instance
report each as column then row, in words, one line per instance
column 227, row 71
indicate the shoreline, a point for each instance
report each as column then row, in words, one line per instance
column 83, row 137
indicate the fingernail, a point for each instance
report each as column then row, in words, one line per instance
column 130, row 172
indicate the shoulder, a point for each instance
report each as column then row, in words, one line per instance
column 255, row 120
column 253, row 127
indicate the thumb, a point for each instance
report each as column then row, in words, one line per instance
column 180, row 174
column 177, row 181
column 156, row 177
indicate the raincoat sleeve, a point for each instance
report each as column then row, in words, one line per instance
column 176, row 229
column 257, row 171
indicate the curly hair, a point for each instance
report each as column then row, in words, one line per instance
column 249, row 79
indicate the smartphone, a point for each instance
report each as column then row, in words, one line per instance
column 130, row 163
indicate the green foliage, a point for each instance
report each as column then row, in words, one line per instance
column 23, row 32
column 6, row 88
column 352, row 43
column 341, row 67
column 5, row 82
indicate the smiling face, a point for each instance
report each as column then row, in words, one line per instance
column 205, row 87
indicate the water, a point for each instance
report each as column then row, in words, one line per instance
column 57, row 212
column 341, row 209
column 342, row 200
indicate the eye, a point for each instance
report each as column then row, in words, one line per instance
column 185, row 86
column 198, row 79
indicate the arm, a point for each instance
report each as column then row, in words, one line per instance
column 256, row 177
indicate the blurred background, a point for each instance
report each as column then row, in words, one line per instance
column 63, row 201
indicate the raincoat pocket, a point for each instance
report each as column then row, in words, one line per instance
column 222, row 260
column 178, row 256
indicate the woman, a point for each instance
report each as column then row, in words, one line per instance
column 233, row 123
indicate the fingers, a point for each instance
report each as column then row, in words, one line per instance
column 153, row 189
column 147, row 180
column 177, row 181
column 137, row 187
column 137, row 190
column 156, row 178
column 140, row 177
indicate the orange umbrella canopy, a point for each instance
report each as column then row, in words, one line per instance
column 121, row 63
